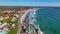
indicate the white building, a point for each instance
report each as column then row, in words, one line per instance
column 16, row 15
column 13, row 19
column 4, row 26
column 1, row 17
column 0, row 23
column 13, row 25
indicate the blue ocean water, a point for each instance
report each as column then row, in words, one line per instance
column 49, row 20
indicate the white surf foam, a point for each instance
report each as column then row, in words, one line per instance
column 31, row 18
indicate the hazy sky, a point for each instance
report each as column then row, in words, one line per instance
column 30, row 2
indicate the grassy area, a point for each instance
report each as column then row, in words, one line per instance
column 13, row 30
column 6, row 20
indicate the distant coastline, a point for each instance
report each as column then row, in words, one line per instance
column 18, row 8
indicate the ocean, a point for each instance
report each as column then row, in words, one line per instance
column 48, row 19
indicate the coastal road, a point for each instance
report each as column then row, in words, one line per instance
column 19, row 26
column 19, row 23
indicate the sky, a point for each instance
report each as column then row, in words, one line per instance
column 29, row 2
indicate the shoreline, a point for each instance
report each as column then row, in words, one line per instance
column 24, row 16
